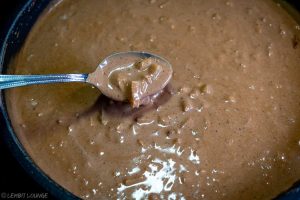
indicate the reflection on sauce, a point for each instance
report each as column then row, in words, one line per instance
column 226, row 127
column 161, row 176
column 154, row 180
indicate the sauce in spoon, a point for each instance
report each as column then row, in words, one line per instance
column 131, row 76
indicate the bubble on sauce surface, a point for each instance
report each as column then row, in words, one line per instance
column 59, row 121
column 93, row 121
column 187, row 105
column 270, row 49
column 252, row 87
column 229, row 3
column 30, row 57
column 142, row 121
column 205, row 89
column 40, row 114
column 70, row 129
column 117, row 173
column 216, row 16
column 122, row 139
column 191, row 28
column 230, row 99
column 195, row 93
column 193, row 157
column 134, row 171
column 33, row 102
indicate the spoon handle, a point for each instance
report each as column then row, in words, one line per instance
column 10, row 81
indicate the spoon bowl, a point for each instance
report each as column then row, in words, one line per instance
column 125, row 61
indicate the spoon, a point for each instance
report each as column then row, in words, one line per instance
column 124, row 63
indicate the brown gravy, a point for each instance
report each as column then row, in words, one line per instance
column 127, row 77
column 227, row 127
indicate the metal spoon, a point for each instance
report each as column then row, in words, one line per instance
column 98, row 78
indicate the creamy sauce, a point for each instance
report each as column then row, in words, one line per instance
column 227, row 126
column 128, row 77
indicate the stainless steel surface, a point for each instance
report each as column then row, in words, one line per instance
column 10, row 81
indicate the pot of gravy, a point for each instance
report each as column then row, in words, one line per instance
column 227, row 126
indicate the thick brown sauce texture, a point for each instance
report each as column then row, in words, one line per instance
column 128, row 77
column 227, row 126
